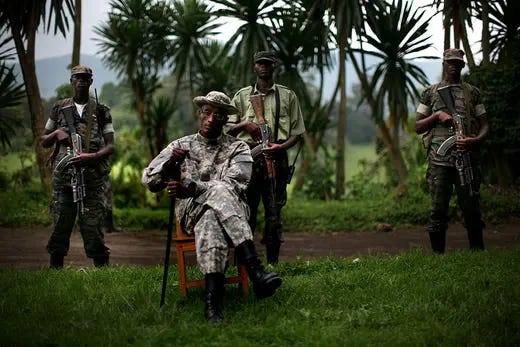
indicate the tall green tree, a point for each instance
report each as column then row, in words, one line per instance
column 252, row 35
column 347, row 19
column 396, row 34
column 24, row 17
column 134, row 42
column 11, row 93
column 192, row 26
column 76, row 43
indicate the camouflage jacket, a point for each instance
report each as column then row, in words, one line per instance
column 469, row 105
column 225, row 160
column 101, row 123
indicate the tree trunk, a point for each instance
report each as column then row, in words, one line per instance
column 28, row 67
column 486, row 49
column 467, row 49
column 342, row 119
column 397, row 159
column 76, row 45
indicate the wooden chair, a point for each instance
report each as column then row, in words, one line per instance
column 186, row 243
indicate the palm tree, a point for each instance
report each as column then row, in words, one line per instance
column 505, row 27
column 457, row 14
column 134, row 41
column 252, row 35
column 76, row 44
column 398, row 33
column 347, row 18
column 24, row 17
column 192, row 25
column 11, row 93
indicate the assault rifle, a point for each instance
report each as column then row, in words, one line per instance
column 462, row 158
column 258, row 108
column 78, row 172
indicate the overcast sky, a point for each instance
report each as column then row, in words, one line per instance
column 94, row 13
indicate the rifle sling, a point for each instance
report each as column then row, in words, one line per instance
column 277, row 111
column 89, row 127
column 69, row 118
column 277, row 114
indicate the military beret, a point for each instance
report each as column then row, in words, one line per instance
column 80, row 69
column 454, row 54
column 265, row 55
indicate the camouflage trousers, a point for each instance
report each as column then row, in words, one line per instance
column 443, row 181
column 65, row 211
column 220, row 221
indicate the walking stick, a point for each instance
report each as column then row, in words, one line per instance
column 171, row 217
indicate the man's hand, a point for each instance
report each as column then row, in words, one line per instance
column 178, row 190
column 464, row 143
column 253, row 130
column 83, row 158
column 444, row 117
column 177, row 156
column 271, row 151
column 62, row 137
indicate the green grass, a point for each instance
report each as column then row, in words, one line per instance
column 461, row 298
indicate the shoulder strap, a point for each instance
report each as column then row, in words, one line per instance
column 277, row 114
column 69, row 118
column 89, row 126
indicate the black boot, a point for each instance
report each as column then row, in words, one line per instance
column 438, row 241
column 272, row 251
column 101, row 261
column 265, row 283
column 214, row 296
column 476, row 241
column 56, row 261
column 109, row 223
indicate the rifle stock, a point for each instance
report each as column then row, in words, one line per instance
column 258, row 108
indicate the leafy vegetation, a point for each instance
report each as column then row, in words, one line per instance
column 461, row 298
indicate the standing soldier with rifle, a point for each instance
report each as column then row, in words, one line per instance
column 83, row 135
column 269, row 119
column 454, row 121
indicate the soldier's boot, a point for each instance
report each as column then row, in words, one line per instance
column 109, row 223
column 476, row 241
column 214, row 297
column 438, row 241
column 265, row 283
column 101, row 261
column 272, row 252
column 56, row 261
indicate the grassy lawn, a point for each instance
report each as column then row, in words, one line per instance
column 461, row 298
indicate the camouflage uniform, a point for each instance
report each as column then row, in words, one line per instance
column 441, row 175
column 63, row 209
column 218, row 213
column 290, row 124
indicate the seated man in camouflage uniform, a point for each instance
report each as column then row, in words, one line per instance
column 215, row 170
column 94, row 125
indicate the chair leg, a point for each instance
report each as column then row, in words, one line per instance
column 182, row 270
column 244, row 279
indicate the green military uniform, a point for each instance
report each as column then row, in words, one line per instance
column 278, row 100
column 441, row 175
column 63, row 209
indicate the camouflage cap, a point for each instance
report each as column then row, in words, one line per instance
column 217, row 99
column 266, row 56
column 454, row 54
column 81, row 69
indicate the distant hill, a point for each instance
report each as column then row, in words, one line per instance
column 53, row 72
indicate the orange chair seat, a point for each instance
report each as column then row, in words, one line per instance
column 184, row 244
